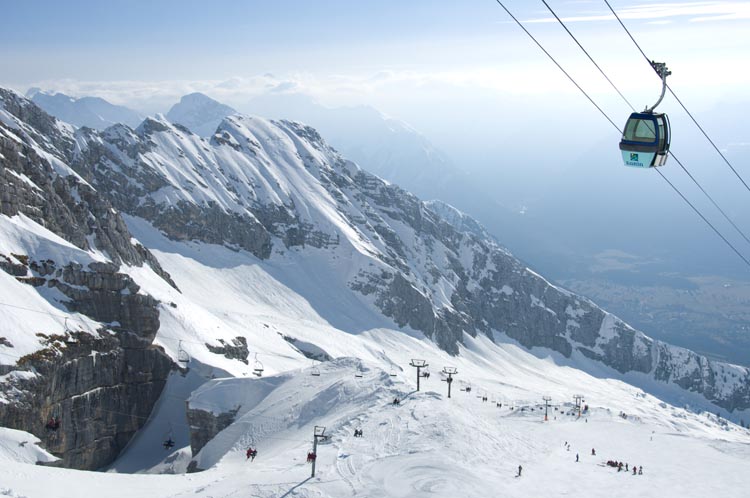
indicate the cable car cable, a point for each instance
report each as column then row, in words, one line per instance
column 703, row 217
column 589, row 56
column 558, row 65
column 499, row 2
column 716, row 205
column 678, row 100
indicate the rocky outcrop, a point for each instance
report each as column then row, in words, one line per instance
column 204, row 425
column 35, row 182
column 102, row 385
column 237, row 350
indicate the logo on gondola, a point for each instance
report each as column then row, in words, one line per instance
column 634, row 156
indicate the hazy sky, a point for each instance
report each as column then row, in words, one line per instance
column 460, row 71
column 384, row 53
column 436, row 64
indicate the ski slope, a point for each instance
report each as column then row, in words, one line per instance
column 427, row 446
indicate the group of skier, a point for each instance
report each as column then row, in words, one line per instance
column 619, row 466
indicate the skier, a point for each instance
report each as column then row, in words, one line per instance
column 168, row 444
column 251, row 454
column 640, row 470
column 634, row 467
column 396, row 401
column 576, row 457
column 626, row 467
column 519, row 471
column 593, row 452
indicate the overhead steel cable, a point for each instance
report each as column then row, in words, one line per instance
column 499, row 2
column 588, row 55
column 558, row 65
column 710, row 198
column 705, row 134
column 703, row 217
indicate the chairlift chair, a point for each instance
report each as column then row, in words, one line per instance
column 315, row 372
column 393, row 371
column 182, row 355
column 257, row 367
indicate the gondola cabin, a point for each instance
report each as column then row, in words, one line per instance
column 645, row 140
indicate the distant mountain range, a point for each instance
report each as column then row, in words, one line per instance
column 93, row 112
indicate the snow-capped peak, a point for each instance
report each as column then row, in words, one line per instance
column 200, row 113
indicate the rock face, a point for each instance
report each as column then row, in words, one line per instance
column 101, row 385
column 204, row 425
column 277, row 190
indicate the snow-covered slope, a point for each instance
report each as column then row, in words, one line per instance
column 93, row 112
column 382, row 145
column 280, row 250
column 431, row 446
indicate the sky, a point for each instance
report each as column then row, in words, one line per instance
column 460, row 72
column 380, row 53
column 417, row 60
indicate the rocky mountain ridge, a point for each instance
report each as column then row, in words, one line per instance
column 276, row 190
column 424, row 265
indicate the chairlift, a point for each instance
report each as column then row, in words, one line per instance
column 257, row 367
column 53, row 423
column 315, row 372
column 358, row 373
column 393, row 371
column 69, row 338
column 425, row 373
column 169, row 443
column 182, row 355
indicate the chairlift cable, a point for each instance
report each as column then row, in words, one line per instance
column 695, row 121
column 499, row 2
column 710, row 198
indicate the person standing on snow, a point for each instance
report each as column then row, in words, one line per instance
column 519, row 471
column 576, row 457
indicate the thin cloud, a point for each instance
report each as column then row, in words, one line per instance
column 695, row 11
